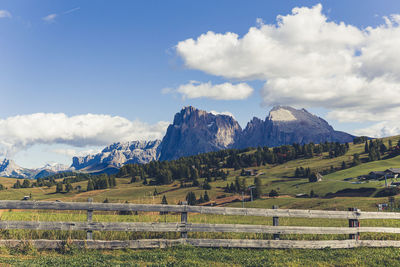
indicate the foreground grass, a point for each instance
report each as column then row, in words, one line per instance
column 189, row 256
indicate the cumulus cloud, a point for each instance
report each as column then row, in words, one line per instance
column 381, row 129
column 50, row 18
column 308, row 60
column 224, row 91
column 21, row 132
column 4, row 14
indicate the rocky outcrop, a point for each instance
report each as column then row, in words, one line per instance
column 118, row 154
column 195, row 131
column 286, row 125
column 8, row 168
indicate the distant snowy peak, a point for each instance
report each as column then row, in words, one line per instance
column 8, row 168
column 55, row 167
column 118, row 154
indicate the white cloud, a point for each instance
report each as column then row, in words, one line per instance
column 4, row 14
column 224, row 91
column 381, row 129
column 71, row 10
column 50, row 18
column 20, row 132
column 307, row 60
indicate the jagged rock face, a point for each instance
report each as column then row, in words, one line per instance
column 286, row 125
column 8, row 168
column 118, row 154
column 196, row 131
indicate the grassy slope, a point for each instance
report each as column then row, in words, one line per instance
column 277, row 177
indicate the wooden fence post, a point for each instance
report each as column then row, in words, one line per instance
column 89, row 233
column 354, row 223
column 184, row 219
column 275, row 222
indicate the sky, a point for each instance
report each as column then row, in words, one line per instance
column 76, row 76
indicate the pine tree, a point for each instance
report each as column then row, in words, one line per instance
column 257, row 192
column 26, row 184
column 90, row 185
column 191, row 198
column 206, row 197
column 356, row 159
column 17, row 184
column 273, row 193
column 343, row 165
column 68, row 187
column 59, row 188
column 366, row 148
column 206, row 186
column 164, row 200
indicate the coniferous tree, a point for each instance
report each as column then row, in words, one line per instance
column 164, row 200
column 191, row 198
column 206, row 186
column 366, row 147
column 68, row 187
column 26, row 184
column 356, row 159
column 90, row 185
column 206, row 197
column 257, row 192
column 59, row 188
column 343, row 165
column 273, row 193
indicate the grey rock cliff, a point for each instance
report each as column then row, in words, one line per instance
column 196, row 131
column 118, row 154
column 286, row 125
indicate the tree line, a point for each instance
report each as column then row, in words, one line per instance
column 214, row 164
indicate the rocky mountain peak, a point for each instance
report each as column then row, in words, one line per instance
column 8, row 168
column 283, row 113
column 116, row 155
column 197, row 131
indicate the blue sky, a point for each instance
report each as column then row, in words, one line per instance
column 116, row 57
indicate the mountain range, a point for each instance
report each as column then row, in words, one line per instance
column 8, row 168
column 195, row 131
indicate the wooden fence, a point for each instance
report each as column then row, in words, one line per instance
column 183, row 227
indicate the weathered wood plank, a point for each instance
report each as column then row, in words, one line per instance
column 299, row 244
column 10, row 204
column 188, row 227
column 227, row 243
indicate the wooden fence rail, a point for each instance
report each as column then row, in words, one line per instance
column 183, row 227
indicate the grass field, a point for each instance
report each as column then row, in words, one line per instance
column 188, row 256
column 277, row 177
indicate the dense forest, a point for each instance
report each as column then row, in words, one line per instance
column 214, row 164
